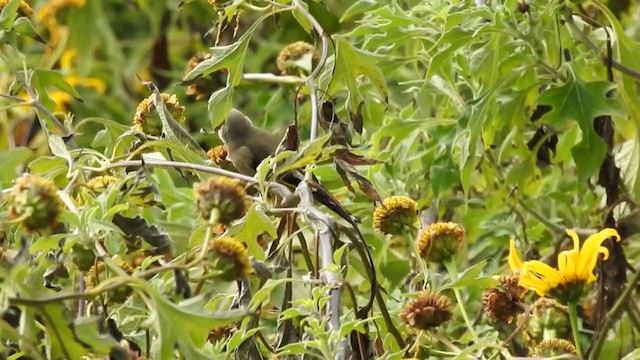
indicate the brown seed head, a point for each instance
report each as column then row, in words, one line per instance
column 35, row 203
column 439, row 241
column 218, row 155
column 502, row 303
column 394, row 215
column 292, row 53
column 426, row 311
column 229, row 259
column 223, row 197
column 554, row 347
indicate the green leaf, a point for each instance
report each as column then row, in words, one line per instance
column 59, row 149
column 43, row 78
column 177, row 325
column 24, row 26
column 219, row 105
column 255, row 223
column 8, row 14
column 10, row 160
column 61, row 341
column 350, row 64
column 87, row 330
column 471, row 277
column 582, row 102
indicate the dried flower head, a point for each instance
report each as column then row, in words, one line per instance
column 297, row 55
column 220, row 333
column 427, row 310
column 502, row 303
column 205, row 85
column 554, row 347
column 395, row 214
column 35, row 203
column 229, row 259
column 148, row 122
column 221, row 199
column 23, row 10
column 218, row 155
column 439, row 241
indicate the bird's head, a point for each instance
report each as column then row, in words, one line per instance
column 237, row 125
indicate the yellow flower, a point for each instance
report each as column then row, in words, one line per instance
column 575, row 267
column 51, row 9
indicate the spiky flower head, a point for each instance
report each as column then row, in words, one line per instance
column 23, row 10
column 395, row 215
column 554, row 347
column 439, row 241
column 221, row 199
column 35, row 203
column 147, row 121
column 503, row 303
column 428, row 310
column 297, row 55
column 218, row 155
column 229, row 259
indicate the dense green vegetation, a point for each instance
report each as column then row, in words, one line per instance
column 455, row 179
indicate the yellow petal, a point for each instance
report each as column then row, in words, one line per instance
column 575, row 238
column 533, row 282
column 567, row 263
column 514, row 260
column 545, row 272
column 590, row 250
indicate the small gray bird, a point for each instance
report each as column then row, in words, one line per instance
column 246, row 144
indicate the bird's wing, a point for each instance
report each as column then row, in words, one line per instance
column 243, row 159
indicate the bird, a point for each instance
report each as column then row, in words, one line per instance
column 247, row 145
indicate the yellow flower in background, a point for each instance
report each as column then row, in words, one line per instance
column 575, row 267
column 51, row 8
column 61, row 98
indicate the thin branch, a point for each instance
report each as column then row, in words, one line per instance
column 271, row 78
column 603, row 57
column 279, row 188
column 310, row 81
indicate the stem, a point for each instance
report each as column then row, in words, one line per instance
column 614, row 313
column 408, row 234
column 310, row 81
column 573, row 318
column 453, row 273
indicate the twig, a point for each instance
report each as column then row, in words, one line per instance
column 585, row 40
column 612, row 315
column 271, row 78
column 310, row 81
column 281, row 189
